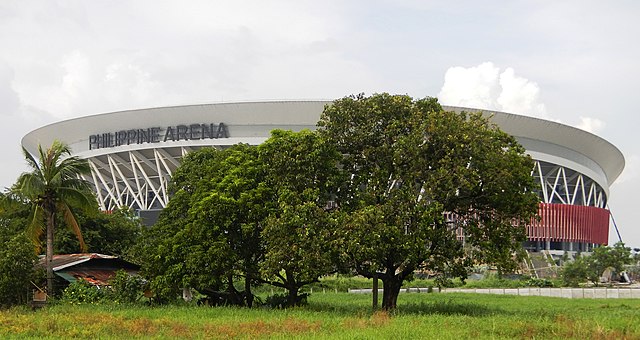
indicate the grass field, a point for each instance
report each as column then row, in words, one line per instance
column 341, row 315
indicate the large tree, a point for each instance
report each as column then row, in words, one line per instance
column 53, row 186
column 209, row 234
column 420, row 179
column 254, row 213
column 301, row 172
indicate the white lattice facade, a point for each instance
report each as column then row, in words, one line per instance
column 135, row 179
column 563, row 185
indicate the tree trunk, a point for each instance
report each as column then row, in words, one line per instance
column 49, row 254
column 292, row 298
column 375, row 291
column 390, row 291
column 247, row 291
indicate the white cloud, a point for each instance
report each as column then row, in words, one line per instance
column 487, row 87
column 592, row 125
column 519, row 95
column 474, row 86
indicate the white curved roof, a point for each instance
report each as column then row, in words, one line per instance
column 251, row 122
column 540, row 135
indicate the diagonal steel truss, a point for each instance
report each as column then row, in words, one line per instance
column 139, row 179
column 562, row 185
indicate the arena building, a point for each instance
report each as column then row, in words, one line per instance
column 133, row 153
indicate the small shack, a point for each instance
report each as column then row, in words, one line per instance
column 97, row 269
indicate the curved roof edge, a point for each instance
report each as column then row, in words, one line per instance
column 607, row 155
column 158, row 108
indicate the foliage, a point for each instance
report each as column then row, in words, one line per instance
column 17, row 268
column 410, row 164
column 209, row 234
column 591, row 267
column 542, row 283
column 298, row 234
column 126, row 288
column 112, row 233
column 251, row 213
column 280, row 301
column 53, row 186
column 575, row 272
column 17, row 255
column 81, row 291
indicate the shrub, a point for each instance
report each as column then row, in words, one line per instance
column 17, row 263
column 534, row 282
column 126, row 288
column 81, row 291
column 282, row 301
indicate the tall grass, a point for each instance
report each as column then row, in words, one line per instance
column 331, row 315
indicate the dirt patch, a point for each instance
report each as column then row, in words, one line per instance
column 289, row 326
column 379, row 318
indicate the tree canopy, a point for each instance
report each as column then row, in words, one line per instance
column 387, row 185
column 421, row 178
column 113, row 233
column 208, row 236
column 255, row 213
column 301, row 172
column 591, row 267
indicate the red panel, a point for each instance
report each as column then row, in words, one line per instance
column 570, row 223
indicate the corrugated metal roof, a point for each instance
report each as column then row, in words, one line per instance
column 97, row 269
column 67, row 260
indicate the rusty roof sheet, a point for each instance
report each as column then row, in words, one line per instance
column 97, row 269
column 68, row 260
column 97, row 277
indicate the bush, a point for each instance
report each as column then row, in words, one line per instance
column 542, row 283
column 282, row 301
column 493, row 281
column 126, row 288
column 17, row 263
column 81, row 291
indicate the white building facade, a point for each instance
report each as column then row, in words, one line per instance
column 133, row 154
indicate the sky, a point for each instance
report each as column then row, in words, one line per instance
column 575, row 62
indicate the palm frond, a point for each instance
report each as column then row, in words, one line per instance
column 72, row 223
column 56, row 151
column 69, row 168
column 78, row 197
column 36, row 227
column 32, row 162
column 29, row 185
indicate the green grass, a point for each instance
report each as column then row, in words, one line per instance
column 341, row 283
column 348, row 316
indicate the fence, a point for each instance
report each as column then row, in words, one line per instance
column 570, row 293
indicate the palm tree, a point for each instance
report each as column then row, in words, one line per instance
column 54, row 186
